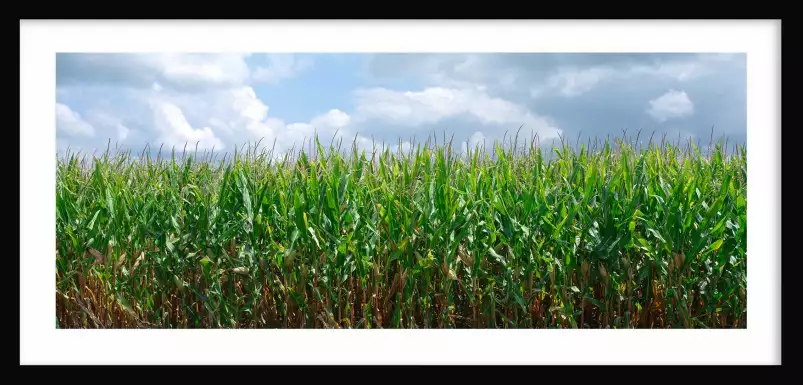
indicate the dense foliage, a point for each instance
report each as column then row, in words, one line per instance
column 604, row 236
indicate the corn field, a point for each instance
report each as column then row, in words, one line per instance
column 607, row 234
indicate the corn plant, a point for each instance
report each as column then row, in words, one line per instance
column 602, row 235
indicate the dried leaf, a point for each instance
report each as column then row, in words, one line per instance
column 119, row 262
column 99, row 258
column 464, row 256
column 136, row 263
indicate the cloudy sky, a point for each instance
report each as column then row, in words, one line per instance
column 226, row 100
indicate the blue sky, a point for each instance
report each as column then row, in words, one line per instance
column 225, row 100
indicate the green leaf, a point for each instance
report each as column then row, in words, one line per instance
column 179, row 282
column 594, row 301
column 716, row 245
column 175, row 223
column 110, row 202
column 496, row 256
column 92, row 222
column 314, row 237
column 656, row 235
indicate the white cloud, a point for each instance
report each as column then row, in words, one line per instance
column 178, row 98
column 575, row 81
column 103, row 121
column 239, row 115
column 332, row 119
column 282, row 66
column 476, row 140
column 71, row 122
column 671, row 105
column 572, row 82
column 249, row 115
column 567, row 75
column 174, row 130
column 122, row 132
column 204, row 69
column 681, row 70
column 405, row 146
column 436, row 103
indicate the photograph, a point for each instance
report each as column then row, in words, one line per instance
column 400, row 192
column 403, row 190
